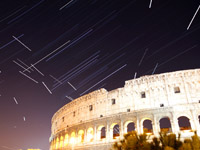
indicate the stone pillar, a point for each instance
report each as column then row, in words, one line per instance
column 95, row 134
column 198, row 125
column 192, row 124
column 85, row 135
column 138, row 127
column 155, row 126
column 121, row 129
column 175, row 125
column 195, row 121
column 98, row 136
column 108, row 132
column 125, row 129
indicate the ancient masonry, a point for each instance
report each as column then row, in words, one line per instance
column 96, row 120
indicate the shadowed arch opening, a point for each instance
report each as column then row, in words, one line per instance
column 165, row 125
column 147, row 126
column 184, row 123
column 116, row 131
column 103, row 133
column 80, row 136
column 61, row 142
column 131, row 127
column 66, row 140
column 90, row 135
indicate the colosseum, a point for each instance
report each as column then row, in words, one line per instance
column 153, row 103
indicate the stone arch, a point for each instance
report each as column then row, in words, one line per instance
column 147, row 126
column 61, row 142
column 57, row 143
column 129, row 126
column 73, row 138
column 165, row 124
column 114, row 130
column 184, row 123
column 199, row 119
column 80, row 136
column 90, row 134
column 101, row 132
column 66, row 140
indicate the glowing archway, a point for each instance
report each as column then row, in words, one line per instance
column 66, row 140
column 61, row 142
column 73, row 138
column 80, row 136
column 57, row 143
column 90, row 134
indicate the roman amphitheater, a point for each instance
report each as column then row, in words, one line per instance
column 164, row 102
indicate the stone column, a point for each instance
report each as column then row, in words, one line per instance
column 155, row 126
column 198, row 125
column 138, row 127
column 125, row 129
column 192, row 124
column 85, row 135
column 121, row 129
column 95, row 134
column 108, row 132
column 195, row 121
column 174, row 125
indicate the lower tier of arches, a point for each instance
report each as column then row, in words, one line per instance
column 104, row 131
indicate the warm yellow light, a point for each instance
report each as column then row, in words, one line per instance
column 80, row 136
column 148, row 133
column 72, row 140
column 90, row 135
column 61, row 141
column 66, row 140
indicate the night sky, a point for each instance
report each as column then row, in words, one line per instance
column 78, row 46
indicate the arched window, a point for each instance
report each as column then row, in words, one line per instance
column 61, row 141
column 103, row 133
column 184, row 123
column 165, row 125
column 130, row 127
column 57, row 143
column 66, row 140
column 116, row 131
column 80, row 136
column 73, row 138
column 90, row 135
column 147, row 126
column 199, row 119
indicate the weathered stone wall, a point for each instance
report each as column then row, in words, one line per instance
column 151, row 97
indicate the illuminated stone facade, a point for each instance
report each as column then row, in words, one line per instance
column 88, row 122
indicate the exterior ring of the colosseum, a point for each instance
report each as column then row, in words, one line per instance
column 94, row 121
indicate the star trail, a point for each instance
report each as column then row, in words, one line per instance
column 54, row 52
